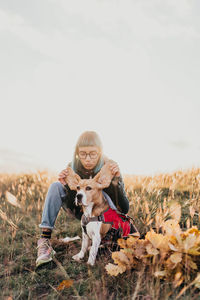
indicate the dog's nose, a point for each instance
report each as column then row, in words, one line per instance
column 79, row 197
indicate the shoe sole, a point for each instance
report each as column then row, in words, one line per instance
column 41, row 262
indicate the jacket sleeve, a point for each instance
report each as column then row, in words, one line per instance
column 117, row 193
column 121, row 197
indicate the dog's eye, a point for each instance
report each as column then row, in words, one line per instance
column 88, row 188
column 78, row 188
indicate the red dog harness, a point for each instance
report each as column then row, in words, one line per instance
column 117, row 220
column 113, row 217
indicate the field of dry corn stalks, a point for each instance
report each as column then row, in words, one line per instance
column 164, row 263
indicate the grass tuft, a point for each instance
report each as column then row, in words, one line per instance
column 151, row 198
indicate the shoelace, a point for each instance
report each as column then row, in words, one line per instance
column 43, row 247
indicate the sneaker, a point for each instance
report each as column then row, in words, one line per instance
column 45, row 252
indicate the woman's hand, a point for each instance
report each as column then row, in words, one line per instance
column 62, row 175
column 115, row 169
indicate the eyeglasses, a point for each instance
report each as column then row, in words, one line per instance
column 92, row 154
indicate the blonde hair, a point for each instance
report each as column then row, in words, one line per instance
column 86, row 139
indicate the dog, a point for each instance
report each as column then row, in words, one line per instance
column 97, row 218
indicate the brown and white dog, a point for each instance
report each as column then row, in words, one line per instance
column 89, row 196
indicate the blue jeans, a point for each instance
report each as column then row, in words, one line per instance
column 55, row 199
column 53, row 202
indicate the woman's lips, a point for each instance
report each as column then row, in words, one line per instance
column 88, row 166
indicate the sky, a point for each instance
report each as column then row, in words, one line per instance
column 129, row 70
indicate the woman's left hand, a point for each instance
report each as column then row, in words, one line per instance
column 115, row 169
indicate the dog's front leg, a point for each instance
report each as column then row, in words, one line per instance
column 84, row 247
column 96, row 241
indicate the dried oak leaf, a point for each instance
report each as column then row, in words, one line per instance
column 176, row 257
column 189, row 242
column 131, row 241
column 115, row 270
column 193, row 229
column 159, row 241
column 172, row 247
column 151, row 250
column 129, row 254
column 172, row 227
column 139, row 249
column 65, row 284
column 120, row 258
column 122, row 243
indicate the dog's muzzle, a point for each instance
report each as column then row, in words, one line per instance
column 79, row 198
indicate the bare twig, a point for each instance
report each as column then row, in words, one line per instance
column 56, row 291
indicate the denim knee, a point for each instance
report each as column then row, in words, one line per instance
column 57, row 187
column 52, row 205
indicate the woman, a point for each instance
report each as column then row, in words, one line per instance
column 87, row 161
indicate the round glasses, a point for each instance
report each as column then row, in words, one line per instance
column 92, row 154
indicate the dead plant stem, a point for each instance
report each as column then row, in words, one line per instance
column 137, row 288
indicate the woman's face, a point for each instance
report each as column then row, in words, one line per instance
column 89, row 156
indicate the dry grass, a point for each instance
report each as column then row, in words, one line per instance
column 151, row 203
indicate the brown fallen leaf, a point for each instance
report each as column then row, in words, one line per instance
column 114, row 270
column 65, row 284
column 176, row 257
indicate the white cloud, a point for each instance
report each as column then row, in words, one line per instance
column 103, row 70
column 106, row 20
column 144, row 19
column 9, row 20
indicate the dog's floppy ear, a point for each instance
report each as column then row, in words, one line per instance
column 72, row 179
column 104, row 177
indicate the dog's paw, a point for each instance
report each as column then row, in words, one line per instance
column 91, row 262
column 78, row 256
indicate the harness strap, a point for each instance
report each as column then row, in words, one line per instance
column 100, row 218
column 85, row 220
column 133, row 228
column 124, row 215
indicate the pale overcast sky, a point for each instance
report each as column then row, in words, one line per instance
column 128, row 69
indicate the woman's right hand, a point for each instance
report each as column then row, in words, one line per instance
column 62, row 175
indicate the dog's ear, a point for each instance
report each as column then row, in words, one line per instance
column 104, row 177
column 72, row 179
